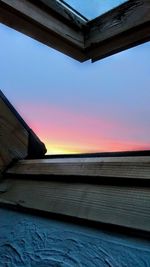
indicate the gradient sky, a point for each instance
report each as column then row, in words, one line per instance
column 78, row 107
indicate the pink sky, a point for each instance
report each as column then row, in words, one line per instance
column 64, row 131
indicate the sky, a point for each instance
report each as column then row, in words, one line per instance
column 78, row 107
column 92, row 9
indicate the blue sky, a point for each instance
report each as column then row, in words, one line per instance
column 92, row 9
column 78, row 107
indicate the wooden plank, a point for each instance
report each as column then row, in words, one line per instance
column 13, row 137
column 43, row 25
column 121, row 43
column 121, row 28
column 117, row 205
column 17, row 141
column 128, row 167
column 56, row 26
column 129, row 153
column 31, row 11
column 73, row 18
column 108, row 167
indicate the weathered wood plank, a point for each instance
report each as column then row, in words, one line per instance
column 118, row 205
column 108, row 167
column 45, row 26
column 121, row 43
column 37, row 15
column 71, row 18
column 121, row 28
column 56, row 26
column 125, row 17
column 17, row 141
column 129, row 153
column 13, row 137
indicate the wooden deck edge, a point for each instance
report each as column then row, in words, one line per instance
column 90, row 168
column 123, row 206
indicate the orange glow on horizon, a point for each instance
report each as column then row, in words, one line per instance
column 60, row 148
column 67, row 132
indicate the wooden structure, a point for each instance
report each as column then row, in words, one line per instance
column 17, row 140
column 106, row 189
column 110, row 188
column 55, row 25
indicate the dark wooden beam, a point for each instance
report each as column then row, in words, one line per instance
column 51, row 28
column 13, row 137
column 70, row 17
column 123, row 27
column 134, row 153
column 100, row 167
column 17, row 140
column 55, row 25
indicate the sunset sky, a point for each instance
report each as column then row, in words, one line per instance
column 78, row 107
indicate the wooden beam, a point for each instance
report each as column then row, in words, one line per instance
column 53, row 24
column 44, row 25
column 17, row 140
column 13, row 137
column 123, row 27
column 117, row 205
column 70, row 17
column 108, row 167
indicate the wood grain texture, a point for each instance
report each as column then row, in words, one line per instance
column 117, row 205
column 55, row 25
column 116, row 167
column 71, row 18
column 123, row 18
column 120, row 43
column 13, row 137
column 17, row 140
column 121, row 28
column 44, row 25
